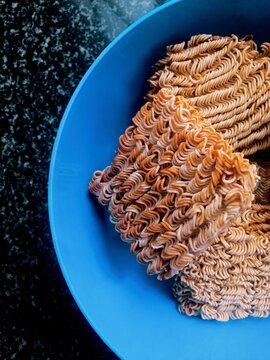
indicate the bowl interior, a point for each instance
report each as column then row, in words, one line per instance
column 134, row 313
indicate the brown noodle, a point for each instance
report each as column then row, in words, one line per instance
column 231, row 280
column 174, row 185
column 262, row 191
column 225, row 78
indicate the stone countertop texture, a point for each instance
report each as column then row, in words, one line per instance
column 46, row 47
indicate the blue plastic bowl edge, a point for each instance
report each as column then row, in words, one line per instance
column 53, row 159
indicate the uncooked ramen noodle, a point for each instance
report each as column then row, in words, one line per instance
column 225, row 78
column 174, row 185
column 231, row 280
column 178, row 192
column 262, row 191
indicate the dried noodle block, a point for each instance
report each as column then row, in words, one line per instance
column 225, row 78
column 174, row 185
column 231, row 280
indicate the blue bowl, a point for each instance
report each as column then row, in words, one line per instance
column 132, row 312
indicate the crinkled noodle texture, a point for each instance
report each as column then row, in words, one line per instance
column 262, row 191
column 174, row 185
column 231, row 280
column 225, row 78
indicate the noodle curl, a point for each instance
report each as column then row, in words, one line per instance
column 227, row 80
column 174, row 185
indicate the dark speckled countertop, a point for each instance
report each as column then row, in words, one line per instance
column 46, row 47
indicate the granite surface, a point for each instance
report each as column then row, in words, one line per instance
column 46, row 47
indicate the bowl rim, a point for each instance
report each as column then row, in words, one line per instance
column 104, row 52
